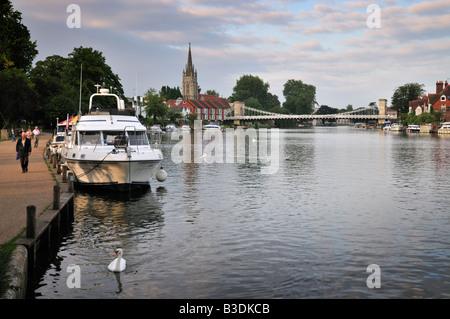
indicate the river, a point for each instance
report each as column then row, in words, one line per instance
column 342, row 199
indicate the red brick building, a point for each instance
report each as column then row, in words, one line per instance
column 207, row 107
column 439, row 101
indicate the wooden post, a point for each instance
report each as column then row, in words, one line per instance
column 31, row 221
column 64, row 175
column 70, row 182
column 56, row 197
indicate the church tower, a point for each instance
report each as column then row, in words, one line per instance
column 190, row 84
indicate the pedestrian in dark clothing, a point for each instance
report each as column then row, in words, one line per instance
column 23, row 149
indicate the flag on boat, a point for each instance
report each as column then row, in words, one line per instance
column 72, row 120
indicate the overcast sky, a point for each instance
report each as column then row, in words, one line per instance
column 341, row 47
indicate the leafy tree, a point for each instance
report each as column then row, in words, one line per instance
column 253, row 102
column 16, row 48
column 212, row 92
column 95, row 71
column 53, row 98
column 155, row 105
column 56, row 81
column 174, row 116
column 272, row 101
column 17, row 98
column 405, row 93
column 325, row 109
column 171, row 93
column 250, row 86
column 300, row 97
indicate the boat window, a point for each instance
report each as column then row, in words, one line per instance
column 89, row 137
column 109, row 136
column 138, row 138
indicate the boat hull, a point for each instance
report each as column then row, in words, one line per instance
column 114, row 175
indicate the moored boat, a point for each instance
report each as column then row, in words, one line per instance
column 109, row 149
column 211, row 127
column 444, row 128
column 412, row 128
column 396, row 127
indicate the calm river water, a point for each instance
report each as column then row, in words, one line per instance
column 342, row 199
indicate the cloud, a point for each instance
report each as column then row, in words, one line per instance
column 326, row 43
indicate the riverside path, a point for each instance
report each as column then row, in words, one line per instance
column 18, row 190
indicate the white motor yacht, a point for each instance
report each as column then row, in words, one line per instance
column 413, row 128
column 444, row 128
column 396, row 127
column 110, row 149
column 211, row 127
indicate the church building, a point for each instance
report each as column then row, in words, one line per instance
column 207, row 107
column 190, row 85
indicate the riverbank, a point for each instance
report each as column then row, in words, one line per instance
column 17, row 191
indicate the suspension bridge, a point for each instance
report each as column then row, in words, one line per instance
column 246, row 113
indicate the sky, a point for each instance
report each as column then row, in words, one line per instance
column 353, row 52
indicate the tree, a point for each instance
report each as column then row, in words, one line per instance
column 95, row 71
column 171, row 93
column 212, row 92
column 254, row 103
column 16, row 48
column 17, row 98
column 250, row 86
column 155, row 105
column 50, row 82
column 405, row 93
column 324, row 110
column 57, row 83
column 300, row 97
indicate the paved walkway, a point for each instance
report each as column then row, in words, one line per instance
column 18, row 190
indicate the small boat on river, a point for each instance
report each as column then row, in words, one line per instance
column 413, row 128
column 444, row 128
column 109, row 148
column 396, row 127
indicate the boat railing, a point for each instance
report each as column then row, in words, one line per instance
column 155, row 139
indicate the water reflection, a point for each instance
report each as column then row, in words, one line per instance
column 341, row 200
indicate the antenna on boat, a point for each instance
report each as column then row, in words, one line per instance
column 81, row 81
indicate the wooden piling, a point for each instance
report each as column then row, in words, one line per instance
column 31, row 221
column 56, row 197
column 70, row 182
column 64, row 175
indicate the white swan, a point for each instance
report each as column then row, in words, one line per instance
column 118, row 264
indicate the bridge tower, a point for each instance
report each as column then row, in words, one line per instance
column 238, row 111
column 382, row 105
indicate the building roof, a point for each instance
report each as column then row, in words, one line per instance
column 205, row 102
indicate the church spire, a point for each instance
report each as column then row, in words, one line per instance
column 190, row 85
column 189, row 65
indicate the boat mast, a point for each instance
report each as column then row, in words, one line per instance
column 81, row 81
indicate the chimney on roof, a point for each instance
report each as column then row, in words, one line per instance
column 439, row 86
column 446, row 83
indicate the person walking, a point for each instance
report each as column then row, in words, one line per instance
column 13, row 135
column 36, row 134
column 23, row 149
